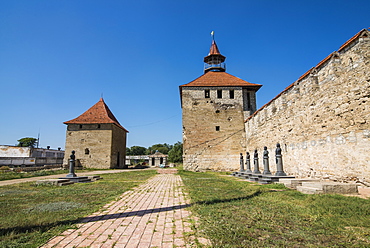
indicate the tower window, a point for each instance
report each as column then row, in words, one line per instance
column 98, row 125
column 231, row 94
column 217, row 128
column 249, row 101
column 206, row 93
column 219, row 93
column 80, row 126
column 87, row 151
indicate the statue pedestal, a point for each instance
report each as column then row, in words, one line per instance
column 77, row 179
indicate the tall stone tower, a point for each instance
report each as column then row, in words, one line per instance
column 214, row 107
column 97, row 137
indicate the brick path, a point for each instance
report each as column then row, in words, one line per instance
column 152, row 215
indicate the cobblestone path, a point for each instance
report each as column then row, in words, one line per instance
column 151, row 215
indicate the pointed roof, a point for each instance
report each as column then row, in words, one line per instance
column 97, row 114
column 219, row 78
column 214, row 48
column 214, row 53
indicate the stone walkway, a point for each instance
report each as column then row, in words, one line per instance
column 151, row 215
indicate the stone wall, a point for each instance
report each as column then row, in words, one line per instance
column 15, row 151
column 93, row 145
column 322, row 121
column 118, row 153
column 213, row 128
column 29, row 161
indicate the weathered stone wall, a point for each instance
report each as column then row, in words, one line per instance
column 204, row 146
column 322, row 121
column 15, row 151
column 118, row 157
column 97, row 141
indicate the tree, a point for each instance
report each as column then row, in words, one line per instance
column 27, row 142
column 136, row 150
column 175, row 154
column 162, row 148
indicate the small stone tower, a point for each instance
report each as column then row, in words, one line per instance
column 214, row 107
column 97, row 137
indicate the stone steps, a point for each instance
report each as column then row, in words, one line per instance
column 294, row 182
column 78, row 179
column 259, row 177
column 309, row 190
column 57, row 182
column 94, row 178
column 324, row 187
column 65, row 183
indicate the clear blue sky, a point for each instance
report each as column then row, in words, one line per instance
column 58, row 57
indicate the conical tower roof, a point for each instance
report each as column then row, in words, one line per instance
column 97, row 114
column 214, row 61
column 214, row 49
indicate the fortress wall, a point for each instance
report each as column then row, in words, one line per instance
column 322, row 121
column 205, row 148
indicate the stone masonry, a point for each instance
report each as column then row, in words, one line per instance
column 205, row 147
column 214, row 107
column 97, row 138
column 322, row 120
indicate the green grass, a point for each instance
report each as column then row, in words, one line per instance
column 18, row 175
column 32, row 214
column 236, row 213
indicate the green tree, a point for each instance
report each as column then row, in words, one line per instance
column 175, row 154
column 27, row 142
column 136, row 150
column 162, row 148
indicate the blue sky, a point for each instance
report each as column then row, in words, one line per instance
column 58, row 57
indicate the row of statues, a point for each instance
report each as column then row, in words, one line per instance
column 266, row 165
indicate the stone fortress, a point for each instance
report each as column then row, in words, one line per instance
column 321, row 120
column 98, row 139
column 214, row 107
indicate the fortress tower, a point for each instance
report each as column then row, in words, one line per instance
column 214, row 107
column 97, row 137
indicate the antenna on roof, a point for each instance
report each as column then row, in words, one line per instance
column 38, row 139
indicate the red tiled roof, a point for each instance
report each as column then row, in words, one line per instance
column 217, row 78
column 352, row 39
column 97, row 114
column 214, row 49
column 309, row 71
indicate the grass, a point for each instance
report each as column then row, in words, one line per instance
column 236, row 213
column 18, row 175
column 32, row 214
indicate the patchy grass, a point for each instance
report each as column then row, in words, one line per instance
column 236, row 213
column 18, row 175
column 32, row 214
